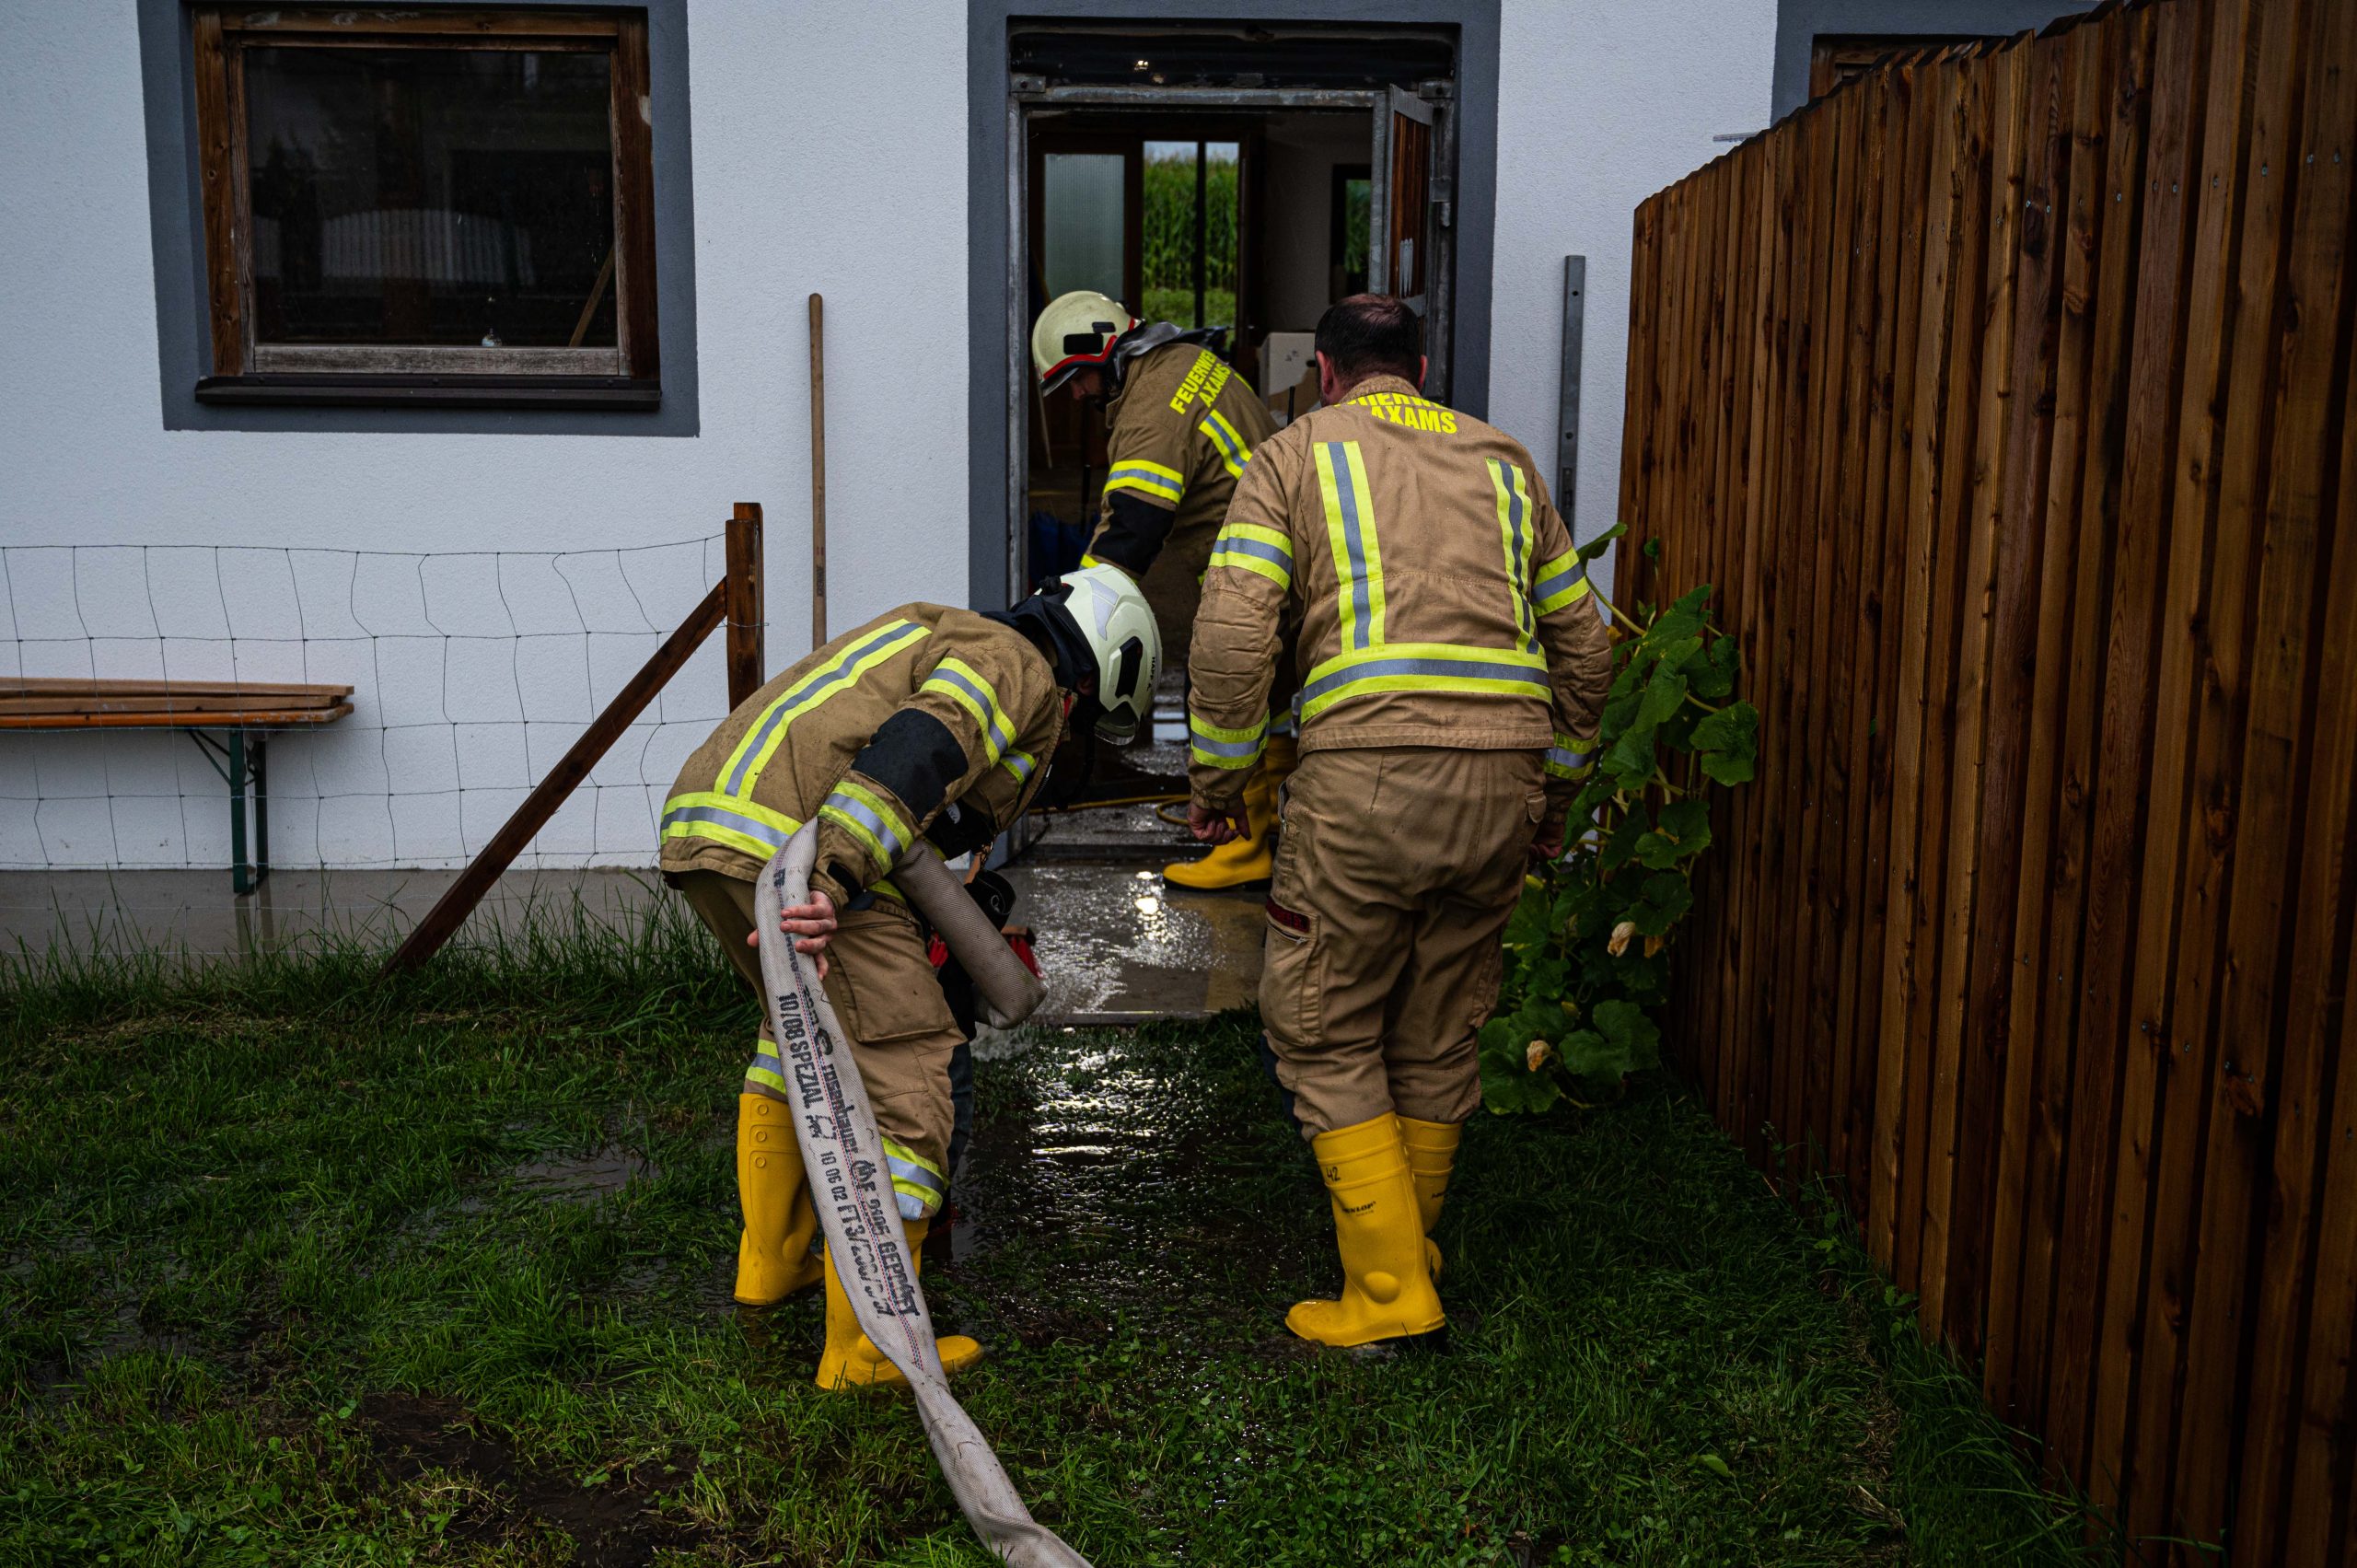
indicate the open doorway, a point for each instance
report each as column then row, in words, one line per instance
column 1222, row 175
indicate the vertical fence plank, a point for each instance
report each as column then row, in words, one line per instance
column 2200, row 664
column 2030, row 634
column 2216, row 1222
column 1904, row 1065
column 2113, row 780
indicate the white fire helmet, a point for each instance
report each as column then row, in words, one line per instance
column 1075, row 332
column 1117, row 623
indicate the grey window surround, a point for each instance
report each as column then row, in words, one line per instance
column 1799, row 24
column 176, row 223
column 987, row 216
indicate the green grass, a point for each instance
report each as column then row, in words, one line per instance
column 300, row 1267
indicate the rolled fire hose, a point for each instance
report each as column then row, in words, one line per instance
column 853, row 1192
column 1008, row 991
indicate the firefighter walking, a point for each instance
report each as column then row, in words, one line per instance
column 1449, row 659
column 1182, row 427
column 928, row 722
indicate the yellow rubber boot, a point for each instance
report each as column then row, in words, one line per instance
column 1386, row 1287
column 773, row 1257
column 851, row 1359
column 1241, row 861
column 1432, row 1156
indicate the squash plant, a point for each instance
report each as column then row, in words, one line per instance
column 1587, row 947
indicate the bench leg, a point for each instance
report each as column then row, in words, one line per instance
column 239, row 880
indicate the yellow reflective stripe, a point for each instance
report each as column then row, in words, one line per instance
column 1233, row 452
column 1424, row 667
column 1152, row 479
column 1216, row 748
column 1351, row 533
column 963, row 684
column 1561, row 581
column 1018, row 764
column 1563, row 759
column 918, row 1184
column 836, row 675
column 870, row 819
column 1248, row 547
column 768, row 1075
column 1514, row 533
column 742, row 825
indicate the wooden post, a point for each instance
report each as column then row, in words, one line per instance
column 744, row 595
column 455, row 905
column 818, row 472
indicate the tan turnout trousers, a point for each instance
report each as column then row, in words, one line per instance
column 1397, row 872
column 885, row 994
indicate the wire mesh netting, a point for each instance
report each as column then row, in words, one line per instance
column 471, row 673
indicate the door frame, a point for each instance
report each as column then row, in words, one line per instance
column 998, row 355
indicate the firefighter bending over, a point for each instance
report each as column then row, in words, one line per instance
column 1449, row 659
column 930, row 722
column 1183, row 425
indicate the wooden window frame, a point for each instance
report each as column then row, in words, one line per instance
column 627, row 374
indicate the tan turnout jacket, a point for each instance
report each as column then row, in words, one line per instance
column 1182, row 429
column 1439, row 599
column 923, row 710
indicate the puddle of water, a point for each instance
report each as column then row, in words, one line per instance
column 1116, row 944
column 585, row 1177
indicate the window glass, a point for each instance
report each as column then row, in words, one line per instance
column 1083, row 223
column 1177, row 234
column 431, row 196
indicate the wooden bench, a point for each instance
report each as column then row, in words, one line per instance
column 227, row 719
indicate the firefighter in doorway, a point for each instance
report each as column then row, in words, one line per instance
column 928, row 721
column 1183, row 425
column 1449, row 661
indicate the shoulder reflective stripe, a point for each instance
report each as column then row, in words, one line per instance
column 1233, row 452
column 837, row 674
column 964, row 685
column 1217, row 747
column 1019, row 765
column 741, row 824
column 884, row 830
column 1561, row 581
column 1424, row 667
column 1351, row 532
column 1150, row 477
column 1514, row 530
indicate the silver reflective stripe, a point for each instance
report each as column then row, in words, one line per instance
column 1549, row 586
column 858, row 811
column 1346, row 496
column 1236, row 544
column 1455, row 670
column 1020, row 763
column 1227, row 748
column 1568, row 762
column 914, row 1174
column 787, row 708
column 722, row 817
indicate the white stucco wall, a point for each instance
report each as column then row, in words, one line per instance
column 851, row 184
column 850, row 181
column 1600, row 103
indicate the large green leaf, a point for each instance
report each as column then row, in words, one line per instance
column 1601, row 542
column 1713, row 676
column 1729, row 741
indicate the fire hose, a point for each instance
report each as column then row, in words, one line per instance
column 850, row 1188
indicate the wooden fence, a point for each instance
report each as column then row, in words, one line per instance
column 2005, row 393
